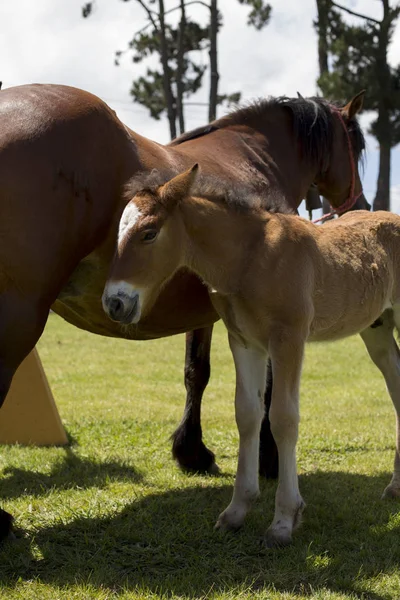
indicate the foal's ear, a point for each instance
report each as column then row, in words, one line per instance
column 355, row 105
column 178, row 188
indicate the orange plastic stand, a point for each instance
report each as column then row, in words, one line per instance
column 29, row 414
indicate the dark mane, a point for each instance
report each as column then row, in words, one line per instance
column 313, row 121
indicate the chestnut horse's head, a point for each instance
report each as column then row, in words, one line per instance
column 149, row 248
column 339, row 178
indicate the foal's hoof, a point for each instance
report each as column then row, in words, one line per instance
column 391, row 492
column 277, row 539
column 6, row 528
column 229, row 522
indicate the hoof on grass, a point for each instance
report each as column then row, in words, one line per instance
column 277, row 539
column 390, row 492
column 228, row 522
column 192, row 455
column 6, row 526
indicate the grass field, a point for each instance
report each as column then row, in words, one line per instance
column 112, row 516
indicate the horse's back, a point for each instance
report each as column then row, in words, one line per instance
column 63, row 158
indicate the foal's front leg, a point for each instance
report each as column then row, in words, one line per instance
column 287, row 349
column 250, row 364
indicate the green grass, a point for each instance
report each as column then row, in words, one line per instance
column 113, row 517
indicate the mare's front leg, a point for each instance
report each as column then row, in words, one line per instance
column 251, row 366
column 21, row 323
column 269, row 463
column 188, row 448
column 385, row 353
column 286, row 351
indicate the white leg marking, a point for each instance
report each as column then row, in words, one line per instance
column 251, row 370
column 287, row 356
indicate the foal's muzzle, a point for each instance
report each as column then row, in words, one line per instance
column 122, row 308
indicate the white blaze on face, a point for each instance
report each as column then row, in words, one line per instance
column 129, row 218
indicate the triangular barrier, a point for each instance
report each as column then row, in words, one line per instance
column 29, row 414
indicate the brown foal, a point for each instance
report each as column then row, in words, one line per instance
column 277, row 281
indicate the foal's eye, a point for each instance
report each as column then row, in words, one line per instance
column 149, row 235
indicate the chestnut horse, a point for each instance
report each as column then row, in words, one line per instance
column 64, row 158
column 277, row 281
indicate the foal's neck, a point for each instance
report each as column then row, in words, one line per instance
column 220, row 240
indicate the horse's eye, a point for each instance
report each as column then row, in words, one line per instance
column 149, row 235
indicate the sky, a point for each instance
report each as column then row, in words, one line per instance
column 48, row 41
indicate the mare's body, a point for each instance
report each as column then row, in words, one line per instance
column 286, row 282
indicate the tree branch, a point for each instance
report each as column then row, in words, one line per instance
column 152, row 22
column 188, row 4
column 351, row 12
column 149, row 13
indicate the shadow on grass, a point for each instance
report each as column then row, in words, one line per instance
column 165, row 543
column 70, row 472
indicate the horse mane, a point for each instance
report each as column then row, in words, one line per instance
column 239, row 197
column 313, row 121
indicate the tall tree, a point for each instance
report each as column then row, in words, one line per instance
column 214, row 74
column 166, row 75
column 358, row 60
column 165, row 89
column 181, row 67
column 321, row 25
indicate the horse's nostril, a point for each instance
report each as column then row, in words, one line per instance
column 115, row 307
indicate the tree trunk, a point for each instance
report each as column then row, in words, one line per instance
column 382, row 197
column 323, row 9
column 168, row 95
column 322, row 27
column 214, row 76
column 180, row 69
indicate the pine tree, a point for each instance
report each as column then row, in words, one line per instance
column 165, row 88
column 354, row 57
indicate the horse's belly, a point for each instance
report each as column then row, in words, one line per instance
column 339, row 331
column 351, row 321
column 182, row 306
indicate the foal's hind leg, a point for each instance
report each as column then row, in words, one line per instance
column 188, row 448
column 21, row 324
column 385, row 353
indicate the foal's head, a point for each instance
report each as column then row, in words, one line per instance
column 149, row 248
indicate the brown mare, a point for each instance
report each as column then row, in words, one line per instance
column 64, row 158
column 277, row 281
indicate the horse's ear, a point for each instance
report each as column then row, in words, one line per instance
column 178, row 188
column 355, row 105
